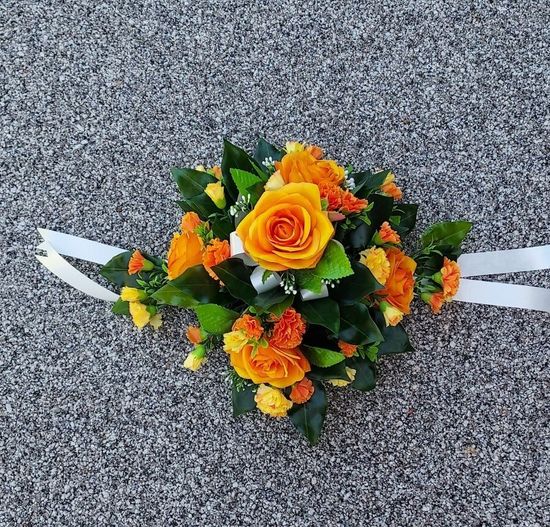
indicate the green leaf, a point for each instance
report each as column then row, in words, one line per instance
column 446, row 233
column 120, row 307
column 403, row 218
column 367, row 182
column 243, row 400
column 323, row 312
column 365, row 374
column 338, row 371
column 201, row 204
column 322, row 357
column 357, row 326
column 215, row 319
column 396, row 339
column 173, row 296
column 356, row 286
column 234, row 157
column 236, row 277
column 278, row 309
column 116, row 270
column 308, row 418
column 334, row 263
column 191, row 182
column 269, row 298
column 265, row 150
column 307, row 279
column 243, row 180
column 195, row 282
column 222, row 227
column 361, row 236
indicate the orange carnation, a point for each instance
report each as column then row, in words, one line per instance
column 249, row 325
column 388, row 235
column 190, row 222
column 435, row 300
column 185, row 252
column 288, row 330
column 390, row 188
column 352, row 204
column 216, row 252
column 347, row 349
column 450, row 277
column 193, row 334
column 399, row 286
column 135, row 264
column 270, row 365
column 332, row 194
column 302, row 391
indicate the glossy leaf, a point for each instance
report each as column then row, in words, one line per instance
column 243, row 400
column 307, row 279
column 357, row 326
column 355, row 287
column 234, row 157
column 191, row 182
column 403, row 218
column 323, row 312
column 116, row 270
column 322, row 357
column 120, row 307
column 338, row 371
column 396, row 339
column 270, row 298
column 365, row 373
column 243, row 180
column 361, row 236
column 334, row 263
column 195, row 284
column 266, row 150
column 367, row 182
column 446, row 233
column 308, row 418
column 215, row 319
column 236, row 278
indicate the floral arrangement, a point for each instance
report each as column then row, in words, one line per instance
column 295, row 265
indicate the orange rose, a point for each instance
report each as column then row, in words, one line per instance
column 287, row 228
column 302, row 391
column 450, row 277
column 288, row 330
column 250, row 326
column 216, row 252
column 270, row 365
column 399, row 285
column 185, row 252
column 302, row 167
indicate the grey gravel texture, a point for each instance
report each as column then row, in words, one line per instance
column 100, row 424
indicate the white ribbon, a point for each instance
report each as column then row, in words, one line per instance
column 56, row 244
column 504, row 262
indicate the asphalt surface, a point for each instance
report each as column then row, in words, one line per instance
column 100, row 424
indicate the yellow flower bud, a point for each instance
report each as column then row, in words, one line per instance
column 272, row 401
column 200, row 168
column 156, row 321
column 392, row 315
column 216, row 193
column 140, row 315
column 341, row 382
column 196, row 358
column 131, row 294
column 275, row 181
column 294, row 146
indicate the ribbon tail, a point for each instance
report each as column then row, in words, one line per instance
column 66, row 272
column 504, row 295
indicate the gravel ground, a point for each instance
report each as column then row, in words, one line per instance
column 100, row 424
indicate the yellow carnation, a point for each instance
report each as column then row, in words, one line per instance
column 196, row 358
column 392, row 315
column 341, row 382
column 234, row 341
column 272, row 401
column 294, row 146
column 377, row 262
column 140, row 315
column 131, row 294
